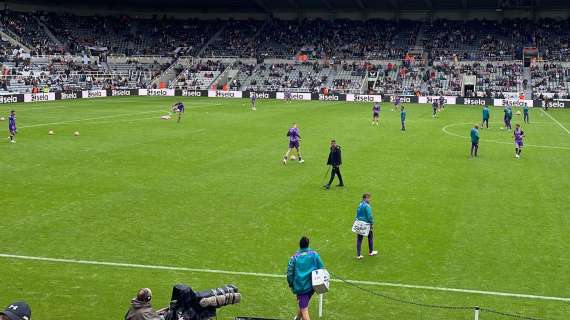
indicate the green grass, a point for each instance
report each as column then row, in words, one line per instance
column 212, row 193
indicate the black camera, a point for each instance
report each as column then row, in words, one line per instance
column 186, row 304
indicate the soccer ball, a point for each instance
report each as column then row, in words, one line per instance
column 50, row 132
column 502, row 128
column 518, row 113
column 292, row 158
column 2, row 118
column 76, row 133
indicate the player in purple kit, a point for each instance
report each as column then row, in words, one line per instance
column 287, row 94
column 375, row 113
column 178, row 107
column 518, row 135
column 294, row 139
column 253, row 97
column 397, row 102
column 441, row 103
column 12, row 126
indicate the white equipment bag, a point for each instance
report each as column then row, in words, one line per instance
column 360, row 227
column 320, row 279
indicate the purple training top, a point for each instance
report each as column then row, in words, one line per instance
column 376, row 108
column 518, row 135
column 12, row 123
column 294, row 134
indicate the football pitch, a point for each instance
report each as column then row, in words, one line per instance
column 145, row 202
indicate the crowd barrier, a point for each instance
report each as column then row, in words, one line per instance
column 449, row 100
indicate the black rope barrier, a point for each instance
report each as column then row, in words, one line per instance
column 432, row 306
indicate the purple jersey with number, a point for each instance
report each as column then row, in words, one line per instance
column 12, row 123
column 253, row 97
column 397, row 101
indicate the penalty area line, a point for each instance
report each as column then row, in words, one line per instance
column 556, row 121
column 280, row 276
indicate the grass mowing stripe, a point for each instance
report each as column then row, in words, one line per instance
column 446, row 131
column 88, row 119
column 106, row 117
column 556, row 121
column 273, row 275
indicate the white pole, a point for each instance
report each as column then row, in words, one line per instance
column 320, row 305
column 477, row 311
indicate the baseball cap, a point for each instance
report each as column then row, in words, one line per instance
column 18, row 311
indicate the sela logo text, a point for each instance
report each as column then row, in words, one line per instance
column 364, row 98
column 469, row 101
column 189, row 93
column 40, row 97
column 120, row 93
column 156, row 92
column 402, row 99
column 262, row 95
column 224, row 94
column 514, row 103
column 328, row 97
column 432, row 99
column 72, row 95
column 94, row 94
column 8, row 99
column 553, row 104
column 297, row 96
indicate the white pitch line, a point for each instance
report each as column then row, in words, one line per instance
column 112, row 116
column 89, row 119
column 118, row 121
column 557, row 122
column 273, row 275
column 41, row 108
column 24, row 108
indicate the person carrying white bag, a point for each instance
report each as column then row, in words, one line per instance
column 363, row 225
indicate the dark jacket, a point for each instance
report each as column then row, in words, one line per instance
column 335, row 157
column 141, row 311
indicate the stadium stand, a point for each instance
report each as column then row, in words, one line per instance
column 298, row 77
column 236, row 39
column 26, row 27
column 200, row 75
column 401, row 56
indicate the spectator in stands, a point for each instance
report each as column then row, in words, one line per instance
column 16, row 311
column 299, row 270
column 141, row 308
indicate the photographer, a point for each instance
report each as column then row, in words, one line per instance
column 16, row 311
column 141, row 308
column 299, row 270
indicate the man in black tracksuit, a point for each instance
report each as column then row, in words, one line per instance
column 335, row 160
